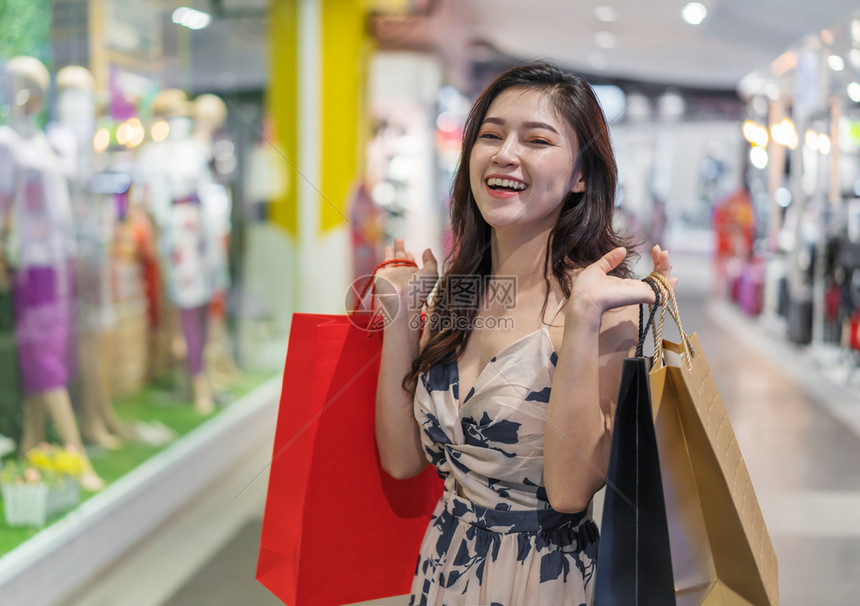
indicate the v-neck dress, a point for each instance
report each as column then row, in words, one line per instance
column 493, row 537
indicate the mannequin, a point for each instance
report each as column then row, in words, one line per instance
column 71, row 137
column 175, row 179
column 37, row 237
column 210, row 114
column 147, row 181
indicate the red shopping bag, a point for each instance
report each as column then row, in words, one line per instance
column 337, row 529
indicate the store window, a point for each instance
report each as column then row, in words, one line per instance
column 130, row 170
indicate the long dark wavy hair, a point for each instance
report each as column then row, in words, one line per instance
column 582, row 234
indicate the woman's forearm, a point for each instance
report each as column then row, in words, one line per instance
column 397, row 434
column 578, row 436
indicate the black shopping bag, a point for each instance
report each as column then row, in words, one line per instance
column 634, row 565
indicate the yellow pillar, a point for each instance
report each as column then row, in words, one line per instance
column 316, row 103
column 282, row 105
column 342, row 80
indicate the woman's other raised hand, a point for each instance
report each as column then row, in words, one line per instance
column 405, row 287
column 595, row 291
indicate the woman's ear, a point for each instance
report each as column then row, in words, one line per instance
column 579, row 185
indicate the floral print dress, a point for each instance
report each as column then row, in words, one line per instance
column 493, row 538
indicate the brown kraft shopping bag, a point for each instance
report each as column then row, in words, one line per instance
column 721, row 550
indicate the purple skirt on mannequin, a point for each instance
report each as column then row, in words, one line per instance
column 43, row 326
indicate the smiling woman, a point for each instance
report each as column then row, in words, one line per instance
column 515, row 414
column 518, row 157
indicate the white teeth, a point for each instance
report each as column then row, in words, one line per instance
column 496, row 182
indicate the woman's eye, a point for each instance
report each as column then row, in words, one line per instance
column 489, row 136
column 541, row 141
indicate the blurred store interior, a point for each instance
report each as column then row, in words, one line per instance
column 185, row 175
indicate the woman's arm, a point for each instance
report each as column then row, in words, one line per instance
column 397, row 433
column 601, row 329
column 582, row 405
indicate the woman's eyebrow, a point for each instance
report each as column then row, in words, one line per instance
column 530, row 124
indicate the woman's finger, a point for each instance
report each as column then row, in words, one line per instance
column 612, row 259
column 427, row 258
column 399, row 248
column 388, row 254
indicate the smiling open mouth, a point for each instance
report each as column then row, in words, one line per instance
column 505, row 184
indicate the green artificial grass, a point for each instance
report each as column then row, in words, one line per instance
column 164, row 401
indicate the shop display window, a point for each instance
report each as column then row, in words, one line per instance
column 128, row 316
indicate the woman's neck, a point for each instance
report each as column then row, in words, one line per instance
column 519, row 254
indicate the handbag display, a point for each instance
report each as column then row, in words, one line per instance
column 718, row 544
column 337, row 529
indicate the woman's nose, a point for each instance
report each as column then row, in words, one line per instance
column 506, row 153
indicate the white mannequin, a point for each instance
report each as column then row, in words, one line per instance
column 210, row 114
column 175, row 181
column 71, row 135
column 37, row 236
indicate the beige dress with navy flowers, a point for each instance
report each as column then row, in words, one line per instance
column 493, row 538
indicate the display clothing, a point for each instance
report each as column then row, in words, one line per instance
column 93, row 219
column 44, row 324
column 41, row 250
column 175, row 178
column 493, row 537
column 194, row 329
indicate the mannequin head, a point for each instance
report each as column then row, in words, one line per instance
column 25, row 82
column 76, row 98
column 172, row 105
column 210, row 113
column 75, row 77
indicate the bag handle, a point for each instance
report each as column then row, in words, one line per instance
column 371, row 284
column 668, row 303
column 644, row 326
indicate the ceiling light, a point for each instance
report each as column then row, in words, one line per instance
column 811, row 140
column 854, row 57
column 784, row 133
column 605, row 13
column 836, row 63
column 101, row 140
column 604, row 40
column 755, row 133
column 782, row 196
column 191, row 18
column 758, row 157
column 694, row 13
column 854, row 92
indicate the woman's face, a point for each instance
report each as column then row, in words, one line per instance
column 523, row 161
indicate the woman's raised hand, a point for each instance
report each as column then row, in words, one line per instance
column 595, row 291
column 405, row 287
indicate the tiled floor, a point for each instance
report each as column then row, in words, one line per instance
column 800, row 436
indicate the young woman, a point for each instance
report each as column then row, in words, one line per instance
column 510, row 389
